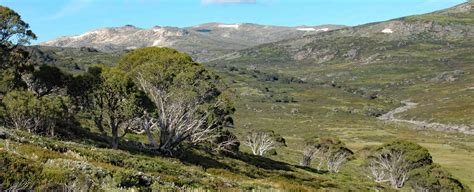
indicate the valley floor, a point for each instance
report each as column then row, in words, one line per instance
column 323, row 110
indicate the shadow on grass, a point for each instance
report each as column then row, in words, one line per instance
column 313, row 170
column 201, row 157
column 206, row 161
column 262, row 162
column 85, row 136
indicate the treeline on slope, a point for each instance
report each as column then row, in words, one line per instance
column 174, row 101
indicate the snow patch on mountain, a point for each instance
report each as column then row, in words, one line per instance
column 157, row 42
column 323, row 29
column 387, row 31
column 306, row 29
column 235, row 26
column 85, row 35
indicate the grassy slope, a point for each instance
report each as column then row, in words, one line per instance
column 405, row 70
column 196, row 169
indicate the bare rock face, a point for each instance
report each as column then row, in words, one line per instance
column 201, row 41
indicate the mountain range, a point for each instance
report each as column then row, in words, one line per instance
column 202, row 41
column 368, row 42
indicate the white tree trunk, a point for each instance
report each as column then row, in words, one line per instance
column 260, row 142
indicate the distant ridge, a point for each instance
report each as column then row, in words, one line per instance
column 201, row 41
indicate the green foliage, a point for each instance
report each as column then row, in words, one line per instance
column 176, row 84
column 37, row 115
column 13, row 30
column 22, row 108
column 173, row 71
column 164, row 56
column 115, row 102
column 48, row 79
column 435, row 178
column 399, row 162
column 226, row 143
column 80, row 88
column 9, row 81
column 130, row 178
column 416, row 155
column 327, row 149
column 18, row 173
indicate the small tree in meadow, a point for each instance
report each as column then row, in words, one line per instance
column 393, row 162
column 262, row 141
column 327, row 150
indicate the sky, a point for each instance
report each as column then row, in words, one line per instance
column 50, row 19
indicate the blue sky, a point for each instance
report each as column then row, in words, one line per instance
column 54, row 18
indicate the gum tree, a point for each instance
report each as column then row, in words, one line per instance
column 327, row 150
column 36, row 115
column 261, row 142
column 191, row 103
column 393, row 162
column 115, row 103
column 14, row 33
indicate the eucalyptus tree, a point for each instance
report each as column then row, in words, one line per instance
column 327, row 150
column 393, row 162
column 39, row 115
column 262, row 142
column 13, row 30
column 115, row 103
column 14, row 33
column 191, row 103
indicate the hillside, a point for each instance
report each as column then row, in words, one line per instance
column 349, row 78
column 361, row 43
column 405, row 59
column 405, row 80
column 202, row 41
column 88, row 165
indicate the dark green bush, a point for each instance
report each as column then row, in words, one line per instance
column 130, row 178
column 435, row 178
column 15, row 170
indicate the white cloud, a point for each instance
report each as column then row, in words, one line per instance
column 206, row 2
column 72, row 7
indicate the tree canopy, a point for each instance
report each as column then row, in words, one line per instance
column 192, row 103
column 13, row 30
column 154, row 55
column 394, row 162
column 115, row 102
